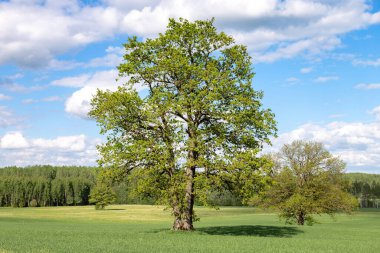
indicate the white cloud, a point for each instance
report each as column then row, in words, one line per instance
column 9, row 84
column 292, row 80
column 113, row 58
column 373, row 63
column 130, row 4
column 16, row 76
column 4, row 97
column 306, row 70
column 63, row 150
column 335, row 116
column 358, row 144
column 78, row 103
column 66, row 143
column 7, row 118
column 46, row 99
column 376, row 112
column 62, row 65
column 52, row 99
column 304, row 26
column 311, row 46
column 74, row 81
column 34, row 32
column 13, row 140
column 323, row 79
column 368, row 86
column 29, row 101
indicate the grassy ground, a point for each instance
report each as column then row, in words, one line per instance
column 130, row 228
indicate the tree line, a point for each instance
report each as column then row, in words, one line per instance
column 62, row 186
column 46, row 186
column 365, row 187
column 72, row 185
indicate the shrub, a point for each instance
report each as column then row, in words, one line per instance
column 33, row 203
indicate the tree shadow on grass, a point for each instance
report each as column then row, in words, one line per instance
column 113, row 209
column 244, row 230
column 262, row 231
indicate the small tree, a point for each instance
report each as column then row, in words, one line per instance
column 200, row 123
column 33, row 203
column 102, row 195
column 307, row 180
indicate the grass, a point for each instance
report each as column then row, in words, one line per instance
column 134, row 228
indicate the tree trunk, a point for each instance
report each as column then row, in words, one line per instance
column 189, row 198
column 301, row 219
column 177, row 224
column 192, row 157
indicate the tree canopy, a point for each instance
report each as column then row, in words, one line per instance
column 197, row 125
column 307, row 180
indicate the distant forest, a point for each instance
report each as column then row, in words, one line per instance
column 46, row 186
column 366, row 187
column 68, row 186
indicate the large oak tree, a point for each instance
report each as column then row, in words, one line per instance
column 196, row 128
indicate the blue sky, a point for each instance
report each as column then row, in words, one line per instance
column 317, row 62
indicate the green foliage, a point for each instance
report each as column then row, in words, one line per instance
column 362, row 177
column 366, row 187
column 33, row 203
column 308, row 180
column 222, row 198
column 198, row 128
column 102, row 195
column 47, row 185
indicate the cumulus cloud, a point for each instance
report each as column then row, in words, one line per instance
column 358, row 144
column 64, row 150
column 34, row 32
column 273, row 29
column 13, row 140
column 66, row 143
column 78, row 103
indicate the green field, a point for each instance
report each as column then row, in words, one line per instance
column 133, row 228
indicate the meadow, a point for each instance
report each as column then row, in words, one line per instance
column 140, row 228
